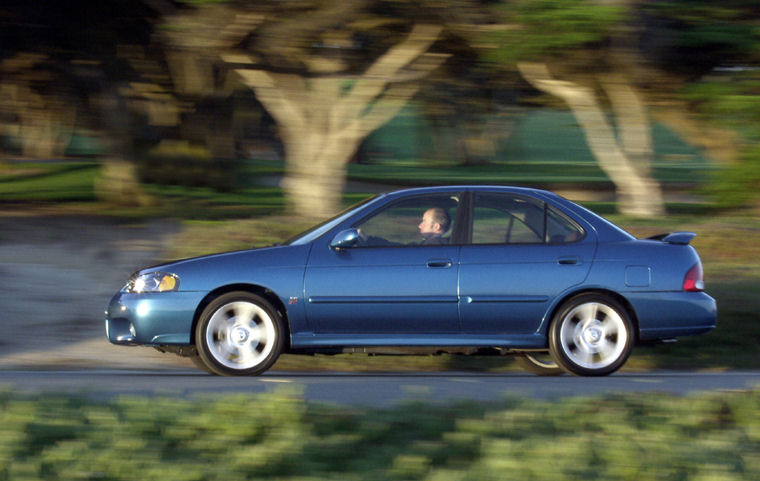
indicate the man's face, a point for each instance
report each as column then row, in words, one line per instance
column 428, row 226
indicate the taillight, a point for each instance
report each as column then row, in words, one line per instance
column 694, row 281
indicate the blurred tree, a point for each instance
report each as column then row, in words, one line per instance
column 313, row 71
column 328, row 73
column 192, row 96
column 34, row 112
column 188, row 107
column 472, row 111
column 60, row 70
column 576, row 50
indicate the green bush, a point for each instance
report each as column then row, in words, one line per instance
column 279, row 436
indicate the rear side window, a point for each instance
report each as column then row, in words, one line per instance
column 560, row 229
column 511, row 219
column 507, row 219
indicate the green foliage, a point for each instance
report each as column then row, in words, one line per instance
column 182, row 163
column 279, row 436
column 733, row 102
column 739, row 184
column 535, row 28
column 723, row 30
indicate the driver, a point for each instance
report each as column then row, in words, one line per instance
column 435, row 223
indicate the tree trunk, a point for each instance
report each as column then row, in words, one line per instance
column 314, row 195
column 117, row 184
column 46, row 125
column 638, row 193
column 316, row 173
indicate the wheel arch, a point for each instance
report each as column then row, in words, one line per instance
column 606, row 292
column 260, row 291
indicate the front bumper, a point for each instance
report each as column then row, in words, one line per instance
column 152, row 318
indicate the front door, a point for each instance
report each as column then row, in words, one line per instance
column 401, row 277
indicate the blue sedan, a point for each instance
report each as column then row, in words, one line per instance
column 462, row 269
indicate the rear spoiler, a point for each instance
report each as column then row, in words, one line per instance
column 682, row 238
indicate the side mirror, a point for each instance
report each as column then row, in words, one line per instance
column 345, row 239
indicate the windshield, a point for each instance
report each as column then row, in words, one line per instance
column 319, row 229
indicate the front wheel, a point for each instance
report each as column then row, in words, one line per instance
column 591, row 335
column 239, row 334
column 198, row 362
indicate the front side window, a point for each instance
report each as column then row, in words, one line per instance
column 319, row 229
column 423, row 220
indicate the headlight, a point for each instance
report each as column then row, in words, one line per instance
column 153, row 282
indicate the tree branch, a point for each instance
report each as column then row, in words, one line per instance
column 383, row 110
column 292, row 38
column 384, row 69
column 640, row 194
column 537, row 74
column 281, row 102
column 420, row 39
column 209, row 27
column 632, row 120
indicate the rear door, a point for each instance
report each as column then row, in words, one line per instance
column 522, row 254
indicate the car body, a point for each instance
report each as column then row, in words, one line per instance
column 517, row 271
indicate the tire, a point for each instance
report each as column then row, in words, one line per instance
column 198, row 362
column 239, row 334
column 591, row 335
column 539, row 363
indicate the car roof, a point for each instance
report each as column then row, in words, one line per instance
column 462, row 188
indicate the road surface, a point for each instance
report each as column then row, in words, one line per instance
column 375, row 390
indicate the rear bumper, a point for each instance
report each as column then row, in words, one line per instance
column 666, row 315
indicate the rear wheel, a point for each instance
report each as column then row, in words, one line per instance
column 239, row 334
column 540, row 363
column 591, row 335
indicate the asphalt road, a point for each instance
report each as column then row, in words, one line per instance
column 377, row 390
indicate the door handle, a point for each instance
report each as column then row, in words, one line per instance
column 439, row 263
column 568, row 261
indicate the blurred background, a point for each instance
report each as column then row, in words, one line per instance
column 244, row 122
column 135, row 131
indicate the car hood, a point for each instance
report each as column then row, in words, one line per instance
column 243, row 266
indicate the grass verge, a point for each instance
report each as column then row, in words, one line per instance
column 49, row 182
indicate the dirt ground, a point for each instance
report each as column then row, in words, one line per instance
column 57, row 274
